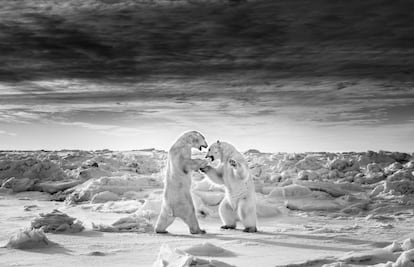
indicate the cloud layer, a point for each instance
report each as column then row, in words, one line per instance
column 289, row 115
column 274, row 75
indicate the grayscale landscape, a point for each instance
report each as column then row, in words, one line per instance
column 318, row 96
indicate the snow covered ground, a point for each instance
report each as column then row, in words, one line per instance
column 97, row 209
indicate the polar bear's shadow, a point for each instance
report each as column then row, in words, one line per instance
column 261, row 238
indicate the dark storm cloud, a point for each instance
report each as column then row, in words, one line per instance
column 400, row 114
column 97, row 39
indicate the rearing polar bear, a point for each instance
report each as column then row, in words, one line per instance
column 177, row 200
column 239, row 203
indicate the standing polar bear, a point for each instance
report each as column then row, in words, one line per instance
column 177, row 200
column 239, row 203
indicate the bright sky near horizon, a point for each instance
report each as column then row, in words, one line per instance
column 287, row 116
column 288, row 76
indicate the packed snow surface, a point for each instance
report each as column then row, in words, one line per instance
column 314, row 209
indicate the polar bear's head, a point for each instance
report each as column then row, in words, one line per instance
column 220, row 151
column 215, row 151
column 194, row 139
column 227, row 154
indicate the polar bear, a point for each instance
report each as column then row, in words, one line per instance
column 177, row 200
column 239, row 203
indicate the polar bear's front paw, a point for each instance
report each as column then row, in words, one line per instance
column 205, row 169
column 232, row 163
column 199, row 163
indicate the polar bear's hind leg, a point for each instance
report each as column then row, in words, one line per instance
column 228, row 215
column 164, row 220
column 191, row 221
column 188, row 215
column 247, row 214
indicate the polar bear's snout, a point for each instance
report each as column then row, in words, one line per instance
column 202, row 142
column 201, row 147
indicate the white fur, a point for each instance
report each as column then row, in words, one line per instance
column 177, row 200
column 239, row 203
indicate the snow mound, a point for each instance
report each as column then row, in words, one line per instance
column 132, row 195
column 376, row 255
column 333, row 189
column 392, row 168
column 290, row 191
column 55, row 186
column 308, row 175
column 94, row 172
column 168, row 257
column 265, row 209
column 56, row 222
column 152, row 205
column 395, row 255
column 96, row 253
column 408, row 244
column 405, row 260
column 318, row 196
column 209, row 250
column 29, row 239
column 18, row 185
column 32, row 168
column 341, row 264
column 342, row 164
column 115, row 184
column 399, row 187
column 310, row 162
column 125, row 206
column 136, row 223
column 104, row 196
column 86, row 165
column 312, row 205
column 400, row 175
column 144, row 161
column 28, row 184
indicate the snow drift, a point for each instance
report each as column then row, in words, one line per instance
column 29, row 239
column 57, row 222
column 177, row 258
column 208, row 250
column 140, row 223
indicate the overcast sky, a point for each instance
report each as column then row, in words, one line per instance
column 271, row 75
column 285, row 116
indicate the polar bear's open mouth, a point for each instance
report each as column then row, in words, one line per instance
column 211, row 157
column 201, row 147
